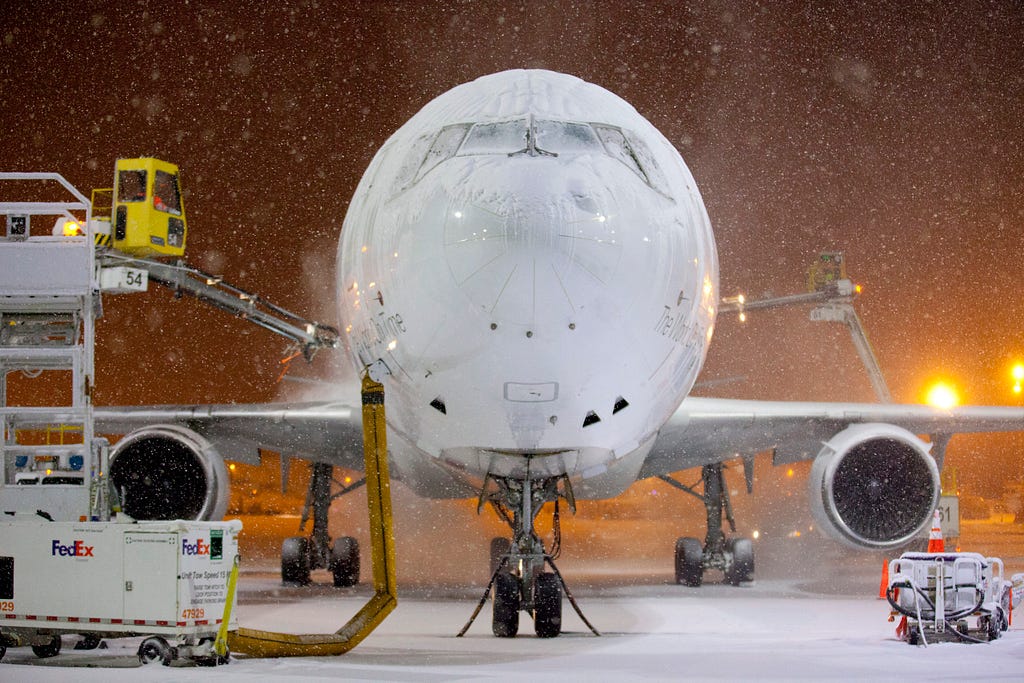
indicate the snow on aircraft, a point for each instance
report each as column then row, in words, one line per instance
column 528, row 267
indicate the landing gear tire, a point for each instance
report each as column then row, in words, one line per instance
column 50, row 648
column 155, row 650
column 295, row 561
column 742, row 566
column 689, row 562
column 345, row 562
column 500, row 547
column 547, row 606
column 505, row 623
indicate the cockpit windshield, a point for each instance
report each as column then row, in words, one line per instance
column 533, row 136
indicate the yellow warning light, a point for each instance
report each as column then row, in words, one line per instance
column 348, row 480
column 858, row 289
column 231, row 467
column 942, row 395
column 73, row 229
column 790, row 473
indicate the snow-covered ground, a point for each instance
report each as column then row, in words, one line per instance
column 818, row 618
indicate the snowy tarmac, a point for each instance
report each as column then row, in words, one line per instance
column 819, row 620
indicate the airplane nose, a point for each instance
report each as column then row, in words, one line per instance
column 531, row 253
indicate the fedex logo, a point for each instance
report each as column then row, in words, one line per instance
column 200, row 547
column 76, row 549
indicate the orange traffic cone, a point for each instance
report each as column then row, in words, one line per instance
column 936, row 544
column 882, row 587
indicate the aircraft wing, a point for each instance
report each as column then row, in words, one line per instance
column 323, row 432
column 708, row 430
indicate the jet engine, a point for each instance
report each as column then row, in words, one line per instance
column 169, row 472
column 874, row 486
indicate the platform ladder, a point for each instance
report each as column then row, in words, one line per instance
column 49, row 296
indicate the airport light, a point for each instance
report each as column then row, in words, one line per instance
column 943, row 395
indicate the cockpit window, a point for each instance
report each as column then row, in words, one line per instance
column 563, row 137
column 446, row 144
column 502, row 137
column 528, row 135
column 632, row 151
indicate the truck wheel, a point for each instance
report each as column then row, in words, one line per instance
column 155, row 649
column 50, row 649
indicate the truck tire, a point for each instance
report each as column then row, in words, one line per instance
column 50, row 649
column 155, row 649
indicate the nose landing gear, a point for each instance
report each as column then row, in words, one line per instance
column 518, row 567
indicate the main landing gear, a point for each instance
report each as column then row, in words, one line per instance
column 518, row 566
column 733, row 556
column 302, row 554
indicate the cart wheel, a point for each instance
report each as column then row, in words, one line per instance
column 155, row 649
column 914, row 635
column 89, row 641
column 50, row 649
column 995, row 623
column 215, row 660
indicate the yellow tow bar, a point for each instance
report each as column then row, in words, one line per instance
column 257, row 643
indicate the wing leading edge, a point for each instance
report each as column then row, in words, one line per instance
column 320, row 432
column 709, row 430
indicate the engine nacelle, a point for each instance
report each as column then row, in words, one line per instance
column 169, row 472
column 874, row 486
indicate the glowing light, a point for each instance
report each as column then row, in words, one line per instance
column 348, row 480
column 363, row 249
column 371, row 285
column 392, row 345
column 73, row 229
column 601, row 219
column 395, row 254
column 458, row 214
column 858, row 289
column 1018, row 372
column 1017, row 388
column 942, row 395
column 231, row 467
column 790, row 473
column 743, row 317
column 756, row 534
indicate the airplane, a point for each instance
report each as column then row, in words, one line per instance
column 528, row 267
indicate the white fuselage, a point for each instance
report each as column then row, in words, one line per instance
column 529, row 266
